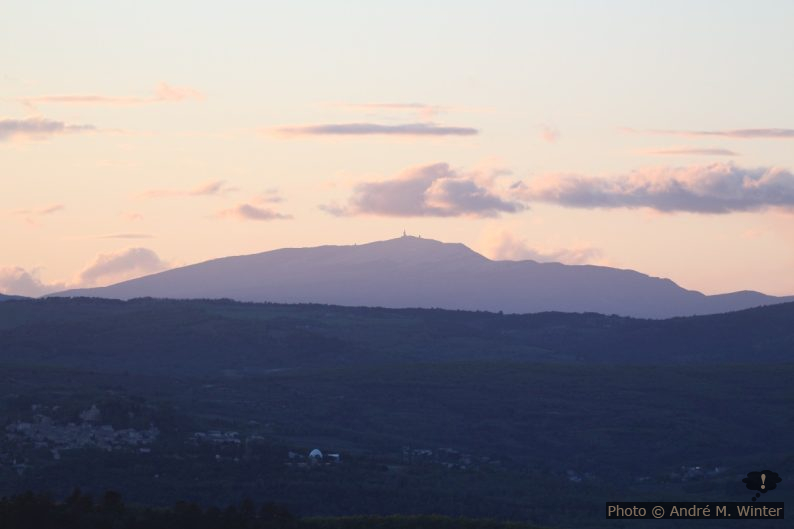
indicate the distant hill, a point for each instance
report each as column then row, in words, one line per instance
column 4, row 297
column 208, row 337
column 423, row 273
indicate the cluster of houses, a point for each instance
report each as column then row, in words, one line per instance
column 446, row 457
column 223, row 441
column 694, row 473
column 43, row 432
column 578, row 477
column 215, row 437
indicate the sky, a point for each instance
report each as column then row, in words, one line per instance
column 654, row 136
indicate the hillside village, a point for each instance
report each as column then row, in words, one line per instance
column 43, row 432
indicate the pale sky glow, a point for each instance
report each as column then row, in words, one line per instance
column 656, row 136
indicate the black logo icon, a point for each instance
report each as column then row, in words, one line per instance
column 763, row 481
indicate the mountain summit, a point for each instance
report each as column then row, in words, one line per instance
column 415, row 272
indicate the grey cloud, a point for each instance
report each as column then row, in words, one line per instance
column 368, row 129
column 252, row 212
column 715, row 188
column 210, row 188
column 269, row 196
column 744, row 134
column 692, row 152
column 740, row 133
column 37, row 128
column 429, row 191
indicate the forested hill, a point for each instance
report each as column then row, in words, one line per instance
column 5, row 297
column 199, row 336
column 81, row 511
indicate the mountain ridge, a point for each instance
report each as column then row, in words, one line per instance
column 411, row 272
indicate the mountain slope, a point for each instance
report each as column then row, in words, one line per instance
column 414, row 272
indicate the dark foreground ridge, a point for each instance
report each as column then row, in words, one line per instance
column 5, row 297
column 537, row 418
column 207, row 336
column 81, row 511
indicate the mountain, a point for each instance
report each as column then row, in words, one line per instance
column 424, row 273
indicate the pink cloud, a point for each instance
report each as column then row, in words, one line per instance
column 18, row 281
column 132, row 216
column 162, row 93
column 45, row 210
column 33, row 216
column 549, row 134
column 170, row 93
column 505, row 246
column 215, row 187
column 105, row 269
column 422, row 109
column 126, row 236
column 109, row 268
